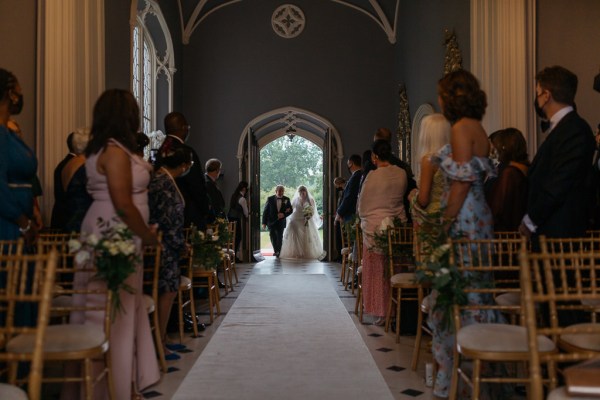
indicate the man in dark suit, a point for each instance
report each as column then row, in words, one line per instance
column 217, row 202
column 276, row 210
column 59, row 211
column 560, row 193
column 192, row 184
column 347, row 208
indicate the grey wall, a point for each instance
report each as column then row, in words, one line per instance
column 236, row 68
column 117, row 43
column 18, row 27
column 568, row 35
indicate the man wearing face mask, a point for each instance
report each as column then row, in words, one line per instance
column 560, row 193
column 347, row 208
column 191, row 184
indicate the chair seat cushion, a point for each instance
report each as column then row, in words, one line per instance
column 561, row 394
column 346, row 251
column 149, row 304
column 591, row 302
column 61, row 301
column 404, row 278
column 499, row 338
column 509, row 299
column 588, row 341
column 11, row 392
column 185, row 283
column 59, row 339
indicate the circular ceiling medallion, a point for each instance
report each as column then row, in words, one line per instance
column 288, row 21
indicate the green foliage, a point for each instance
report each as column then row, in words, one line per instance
column 400, row 252
column 207, row 249
column 291, row 164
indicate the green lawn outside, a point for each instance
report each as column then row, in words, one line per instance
column 265, row 242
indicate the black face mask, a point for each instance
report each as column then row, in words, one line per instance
column 539, row 110
column 15, row 108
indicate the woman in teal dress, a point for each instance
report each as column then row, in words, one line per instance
column 465, row 166
column 17, row 168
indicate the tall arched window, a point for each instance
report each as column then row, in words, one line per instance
column 153, row 66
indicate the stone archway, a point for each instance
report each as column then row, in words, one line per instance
column 272, row 125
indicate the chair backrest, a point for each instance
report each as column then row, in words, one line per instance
column 11, row 247
column 552, row 280
column 507, row 235
column 64, row 269
column 152, row 263
column 26, row 279
column 488, row 267
column 359, row 245
column 400, row 249
column 231, row 241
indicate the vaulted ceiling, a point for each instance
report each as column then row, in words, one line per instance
column 384, row 13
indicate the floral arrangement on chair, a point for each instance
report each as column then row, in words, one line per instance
column 436, row 269
column 308, row 211
column 207, row 249
column 399, row 251
column 113, row 254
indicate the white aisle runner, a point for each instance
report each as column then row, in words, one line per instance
column 286, row 337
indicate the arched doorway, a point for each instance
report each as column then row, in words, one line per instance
column 283, row 122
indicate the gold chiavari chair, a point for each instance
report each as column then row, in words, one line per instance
column 185, row 294
column 28, row 279
column 490, row 341
column 424, row 307
column 225, row 264
column 403, row 284
column 557, row 282
column 77, row 296
column 230, row 250
column 207, row 279
column 152, row 263
column 11, row 247
column 358, row 306
column 345, row 251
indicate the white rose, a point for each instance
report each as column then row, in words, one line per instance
column 74, row 245
column 445, row 271
column 215, row 238
column 93, row 239
column 113, row 250
column 82, row 256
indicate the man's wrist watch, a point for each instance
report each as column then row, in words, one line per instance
column 26, row 229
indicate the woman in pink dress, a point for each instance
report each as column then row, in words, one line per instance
column 118, row 181
column 381, row 196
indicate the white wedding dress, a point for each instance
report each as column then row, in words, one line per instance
column 301, row 240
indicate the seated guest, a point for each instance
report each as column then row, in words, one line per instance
column 74, row 180
column 167, row 210
column 507, row 196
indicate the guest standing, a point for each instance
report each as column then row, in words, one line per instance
column 118, row 181
column 465, row 166
column 217, row 202
column 507, row 197
column 560, row 192
column 60, row 210
column 167, row 210
column 238, row 212
column 434, row 133
column 192, row 184
column 74, row 181
column 382, row 196
column 17, row 168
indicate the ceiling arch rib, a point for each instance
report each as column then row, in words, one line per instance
column 371, row 8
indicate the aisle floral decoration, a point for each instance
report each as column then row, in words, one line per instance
column 308, row 211
column 437, row 271
column 399, row 251
column 207, row 249
column 222, row 230
column 113, row 253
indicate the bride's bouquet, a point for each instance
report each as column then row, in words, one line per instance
column 308, row 212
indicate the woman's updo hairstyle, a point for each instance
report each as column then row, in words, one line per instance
column 175, row 156
column 461, row 96
column 382, row 149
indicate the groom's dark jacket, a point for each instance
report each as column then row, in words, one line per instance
column 560, row 176
column 270, row 212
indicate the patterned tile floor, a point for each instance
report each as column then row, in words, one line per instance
column 392, row 359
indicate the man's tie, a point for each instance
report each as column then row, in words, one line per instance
column 278, row 204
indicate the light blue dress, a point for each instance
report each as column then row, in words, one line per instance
column 17, row 171
column 474, row 221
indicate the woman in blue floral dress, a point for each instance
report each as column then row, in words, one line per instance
column 465, row 165
column 166, row 209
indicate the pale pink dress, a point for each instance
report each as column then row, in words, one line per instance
column 131, row 344
column 381, row 196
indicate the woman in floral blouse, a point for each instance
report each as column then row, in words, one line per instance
column 166, row 209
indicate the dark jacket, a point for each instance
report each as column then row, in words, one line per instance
column 347, row 207
column 217, row 202
column 270, row 212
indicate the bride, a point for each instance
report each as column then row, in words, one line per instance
column 301, row 236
